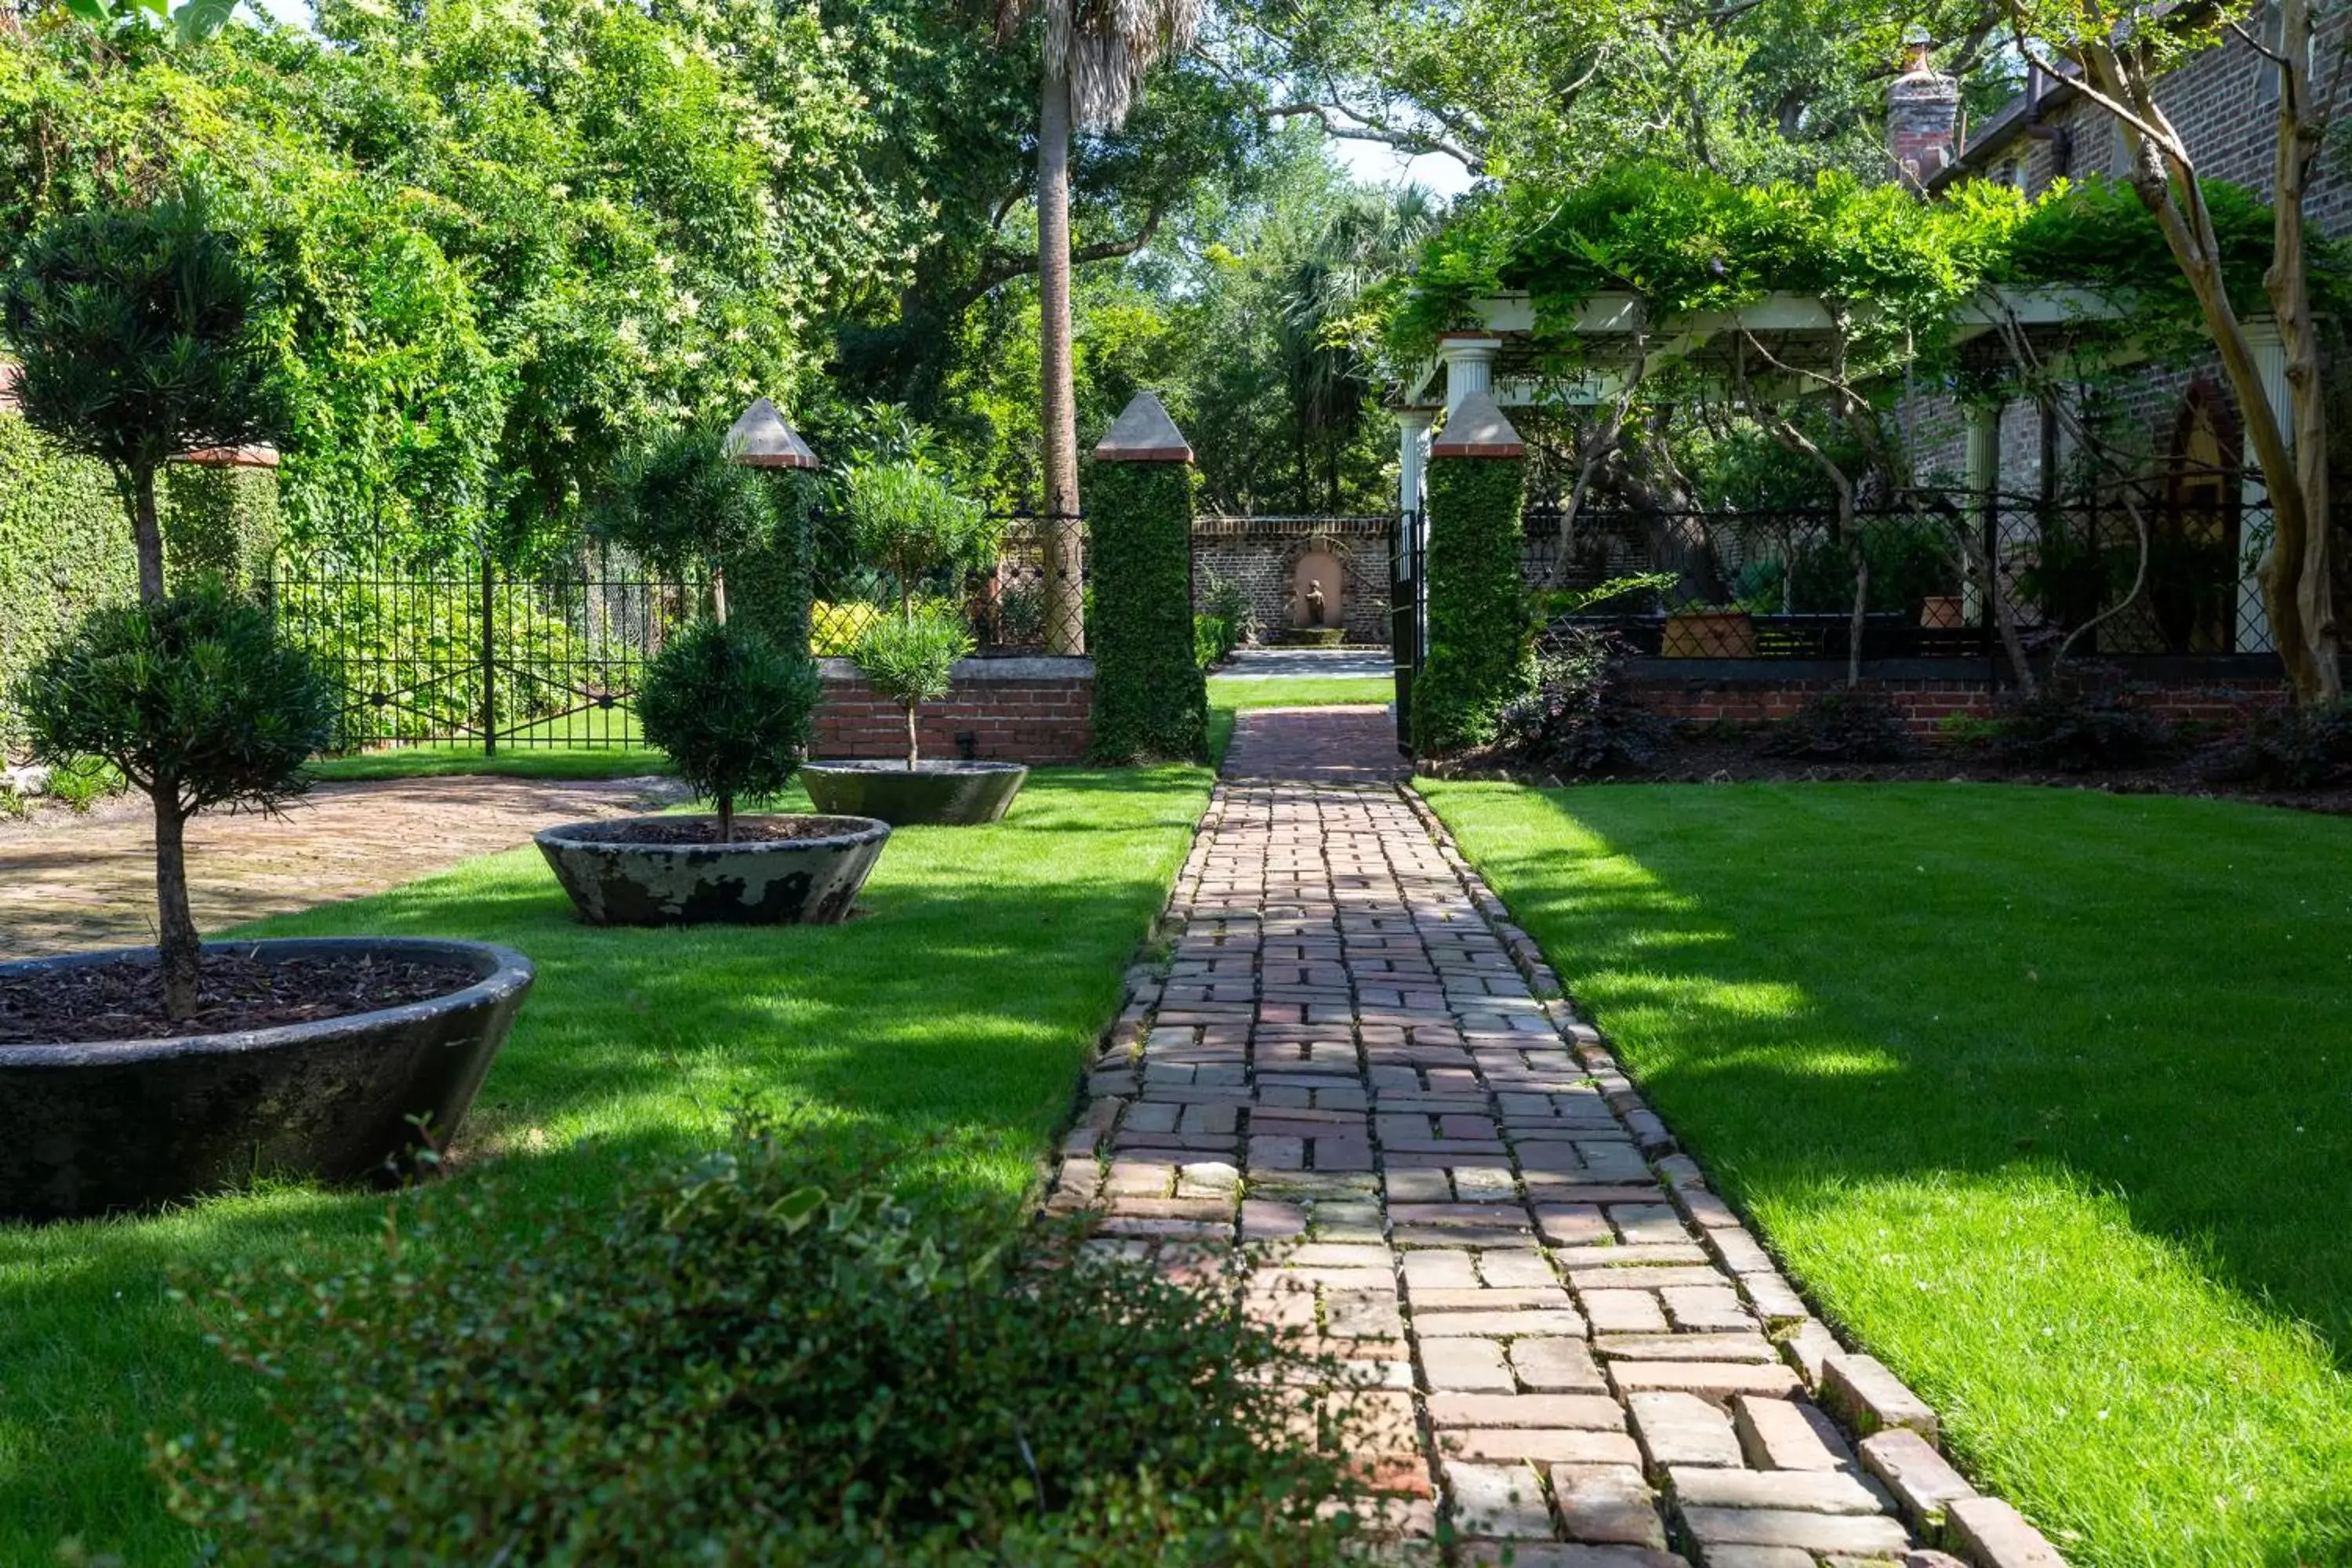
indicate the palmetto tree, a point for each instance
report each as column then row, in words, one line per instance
column 1092, row 59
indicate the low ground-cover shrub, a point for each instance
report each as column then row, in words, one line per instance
column 1214, row 640
column 750, row 1361
column 2083, row 720
column 1580, row 717
column 1845, row 727
column 2292, row 748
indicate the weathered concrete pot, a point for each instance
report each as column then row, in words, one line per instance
column 95, row 1127
column 755, row 881
column 934, row 794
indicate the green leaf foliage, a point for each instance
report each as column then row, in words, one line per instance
column 679, row 502
column 912, row 659
column 1150, row 702
column 730, row 711
column 195, row 699
column 907, row 520
column 755, row 1359
column 1478, row 623
column 134, row 331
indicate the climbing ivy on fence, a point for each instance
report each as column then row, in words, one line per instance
column 1150, row 702
column 1479, row 629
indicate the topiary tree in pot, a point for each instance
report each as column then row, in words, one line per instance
column 909, row 523
column 687, row 507
column 199, row 703
column 731, row 712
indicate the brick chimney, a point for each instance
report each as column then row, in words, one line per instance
column 1922, row 111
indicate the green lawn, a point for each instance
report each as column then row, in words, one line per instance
column 952, row 1018
column 537, row 762
column 1228, row 697
column 2045, row 1095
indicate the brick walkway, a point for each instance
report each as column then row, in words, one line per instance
column 1579, row 1354
column 68, row 882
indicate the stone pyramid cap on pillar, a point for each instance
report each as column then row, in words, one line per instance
column 1477, row 429
column 1143, row 434
column 760, row 439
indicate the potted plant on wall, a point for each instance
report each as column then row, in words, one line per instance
column 908, row 522
column 731, row 710
column 139, row 1076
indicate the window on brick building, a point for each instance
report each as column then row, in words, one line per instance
column 2267, row 25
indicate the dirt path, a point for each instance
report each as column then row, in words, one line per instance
column 75, row 882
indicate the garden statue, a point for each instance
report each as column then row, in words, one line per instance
column 1314, row 600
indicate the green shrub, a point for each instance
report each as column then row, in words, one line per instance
column 2289, row 748
column 1477, row 659
column 198, row 703
column 678, row 503
column 911, row 658
column 84, row 782
column 1842, row 727
column 2085, row 720
column 752, row 1361
column 908, row 522
column 731, row 712
column 1579, row 717
column 1214, row 640
column 1150, row 702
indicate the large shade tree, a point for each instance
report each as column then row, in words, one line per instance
column 1092, row 58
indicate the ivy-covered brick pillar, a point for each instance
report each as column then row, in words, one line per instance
column 772, row 582
column 1150, row 702
column 1476, row 655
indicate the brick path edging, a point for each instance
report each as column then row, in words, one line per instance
column 1728, row 1514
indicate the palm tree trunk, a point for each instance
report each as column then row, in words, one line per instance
column 1064, row 560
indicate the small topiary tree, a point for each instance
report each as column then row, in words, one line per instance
column 681, row 502
column 908, row 521
column 910, row 659
column 731, row 712
column 134, row 331
column 198, row 703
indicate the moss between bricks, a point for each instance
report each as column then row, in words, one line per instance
column 1150, row 702
column 1479, row 629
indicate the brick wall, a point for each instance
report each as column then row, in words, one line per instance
column 1009, row 710
column 1259, row 554
column 1748, row 695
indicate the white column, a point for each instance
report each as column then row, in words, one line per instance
column 2253, row 630
column 1469, row 365
column 1984, row 487
column 1412, row 455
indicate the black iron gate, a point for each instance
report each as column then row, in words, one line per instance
column 469, row 653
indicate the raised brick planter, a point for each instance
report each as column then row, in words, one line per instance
column 1030, row 711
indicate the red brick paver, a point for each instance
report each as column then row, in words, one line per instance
column 67, row 883
column 1357, row 1071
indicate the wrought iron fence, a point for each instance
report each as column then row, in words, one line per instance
column 1027, row 592
column 469, row 653
column 2123, row 573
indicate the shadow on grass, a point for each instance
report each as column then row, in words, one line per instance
column 946, row 1026
column 2047, row 1093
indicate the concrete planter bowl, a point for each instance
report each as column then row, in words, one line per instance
column 933, row 794
column 650, row 870
column 99, row 1127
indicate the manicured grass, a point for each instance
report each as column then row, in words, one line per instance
column 539, row 762
column 1228, row 697
column 2045, row 1095
column 951, row 1019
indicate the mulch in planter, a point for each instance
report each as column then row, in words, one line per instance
column 747, row 829
column 235, row 990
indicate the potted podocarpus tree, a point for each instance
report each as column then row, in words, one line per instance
column 908, row 522
column 731, row 710
column 133, row 1077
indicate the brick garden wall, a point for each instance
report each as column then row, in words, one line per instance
column 1260, row 553
column 1703, row 691
column 1031, row 711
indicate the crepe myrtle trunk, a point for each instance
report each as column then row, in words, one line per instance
column 176, row 945
column 1057, row 391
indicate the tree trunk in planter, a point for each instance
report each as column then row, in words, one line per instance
column 1151, row 701
column 1478, row 630
column 176, row 945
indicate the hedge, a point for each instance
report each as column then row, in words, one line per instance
column 1150, row 702
column 65, row 542
column 1478, row 626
